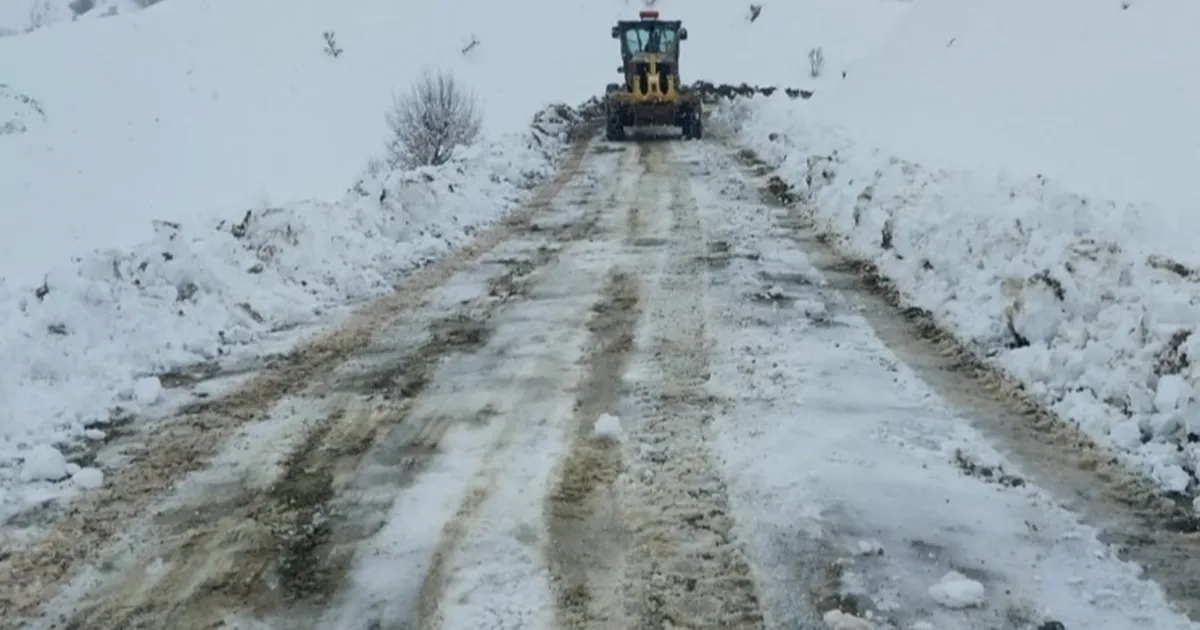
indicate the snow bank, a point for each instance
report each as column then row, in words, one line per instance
column 95, row 333
column 1071, row 294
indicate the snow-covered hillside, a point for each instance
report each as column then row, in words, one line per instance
column 1021, row 170
column 208, row 107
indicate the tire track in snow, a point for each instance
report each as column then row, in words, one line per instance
column 271, row 549
column 586, row 548
column 433, row 591
column 686, row 568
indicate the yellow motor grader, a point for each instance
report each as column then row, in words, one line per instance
column 651, row 94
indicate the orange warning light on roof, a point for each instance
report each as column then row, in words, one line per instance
column 648, row 14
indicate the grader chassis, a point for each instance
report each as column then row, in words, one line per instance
column 651, row 94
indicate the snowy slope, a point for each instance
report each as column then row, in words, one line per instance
column 1089, row 93
column 1031, row 175
column 25, row 16
column 726, row 47
column 207, row 107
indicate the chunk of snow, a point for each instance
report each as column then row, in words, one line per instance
column 1172, row 477
column 921, row 625
column 869, row 547
column 1126, row 435
column 88, row 478
column 838, row 620
column 147, row 390
column 1037, row 313
column 44, row 463
column 608, row 427
column 1172, row 393
column 956, row 590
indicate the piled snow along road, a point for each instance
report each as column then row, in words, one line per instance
column 1052, row 287
column 86, row 345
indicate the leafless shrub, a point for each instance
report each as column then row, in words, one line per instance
column 376, row 166
column 816, row 62
column 435, row 116
column 471, row 45
column 331, row 47
column 755, row 10
column 39, row 16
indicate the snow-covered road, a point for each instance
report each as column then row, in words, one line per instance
column 648, row 400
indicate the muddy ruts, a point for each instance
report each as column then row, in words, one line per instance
column 583, row 516
column 685, row 567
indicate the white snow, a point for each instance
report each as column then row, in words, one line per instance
column 608, row 427
column 147, row 390
column 128, row 177
column 44, row 463
column 88, row 478
column 956, row 590
column 995, row 150
column 838, row 620
column 1096, row 95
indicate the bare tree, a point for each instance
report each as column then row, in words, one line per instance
column 471, row 45
column 430, row 121
column 816, row 62
column 39, row 15
column 331, row 47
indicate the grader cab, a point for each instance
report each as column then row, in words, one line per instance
column 651, row 93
